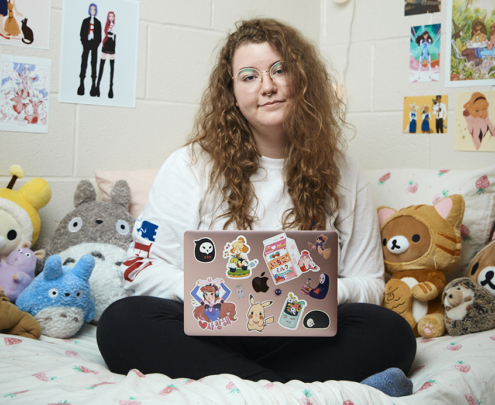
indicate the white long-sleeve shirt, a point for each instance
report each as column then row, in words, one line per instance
column 178, row 202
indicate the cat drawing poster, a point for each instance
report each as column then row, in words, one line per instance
column 25, row 23
column 24, row 93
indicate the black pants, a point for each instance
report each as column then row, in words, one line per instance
column 147, row 333
column 439, row 125
column 88, row 48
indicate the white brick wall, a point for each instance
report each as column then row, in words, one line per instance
column 177, row 47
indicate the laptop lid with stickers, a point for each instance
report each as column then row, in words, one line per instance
column 260, row 283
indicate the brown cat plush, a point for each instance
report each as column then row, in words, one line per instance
column 421, row 244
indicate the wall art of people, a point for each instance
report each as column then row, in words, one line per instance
column 424, row 53
column 24, row 94
column 99, row 52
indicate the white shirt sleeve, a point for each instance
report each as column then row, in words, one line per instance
column 155, row 263
column 361, row 267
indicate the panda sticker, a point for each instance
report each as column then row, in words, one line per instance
column 204, row 251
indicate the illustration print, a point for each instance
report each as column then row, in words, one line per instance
column 291, row 312
column 316, row 320
column 24, row 94
column 319, row 246
column 211, row 309
column 425, row 114
column 477, row 118
column 320, row 291
column 256, row 315
column 239, row 266
column 424, row 58
column 204, row 250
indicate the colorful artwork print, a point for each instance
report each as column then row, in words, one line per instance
column 415, row 7
column 471, row 52
column 211, row 308
column 256, row 318
column 424, row 58
column 238, row 266
column 319, row 246
column 425, row 114
column 24, row 94
column 474, row 129
column 25, row 23
column 320, row 291
column 204, row 250
column 291, row 312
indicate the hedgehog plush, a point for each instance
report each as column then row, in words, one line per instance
column 59, row 298
column 469, row 308
column 421, row 245
column 100, row 229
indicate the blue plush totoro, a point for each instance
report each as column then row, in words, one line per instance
column 59, row 298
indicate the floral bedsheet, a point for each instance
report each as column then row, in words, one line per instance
column 52, row 371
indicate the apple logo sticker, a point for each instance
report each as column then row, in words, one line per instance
column 260, row 283
column 316, row 320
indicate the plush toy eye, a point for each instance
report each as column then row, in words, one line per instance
column 75, row 224
column 79, row 294
column 19, row 250
column 122, row 227
column 384, row 242
column 53, row 292
column 11, row 235
column 416, row 238
column 475, row 268
column 28, row 254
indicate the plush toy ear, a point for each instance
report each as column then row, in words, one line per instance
column 84, row 267
column 53, row 268
column 26, row 245
column 85, row 192
column 40, row 254
column 384, row 213
column 443, row 207
column 121, row 194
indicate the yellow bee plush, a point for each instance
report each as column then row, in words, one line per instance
column 421, row 245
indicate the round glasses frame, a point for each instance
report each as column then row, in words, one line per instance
column 254, row 85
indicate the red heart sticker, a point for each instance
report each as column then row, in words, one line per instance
column 203, row 324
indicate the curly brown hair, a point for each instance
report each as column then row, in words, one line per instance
column 313, row 122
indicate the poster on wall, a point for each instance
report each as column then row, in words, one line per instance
column 474, row 129
column 414, row 7
column 99, row 52
column 424, row 53
column 425, row 114
column 24, row 93
column 25, row 23
column 471, row 52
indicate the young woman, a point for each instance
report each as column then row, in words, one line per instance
column 108, row 48
column 266, row 153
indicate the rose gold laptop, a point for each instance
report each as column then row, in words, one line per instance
column 260, row 283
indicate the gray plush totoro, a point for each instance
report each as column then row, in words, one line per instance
column 95, row 221
column 469, row 308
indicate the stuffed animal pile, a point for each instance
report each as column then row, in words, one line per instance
column 100, row 229
column 19, row 217
column 59, row 298
column 421, row 245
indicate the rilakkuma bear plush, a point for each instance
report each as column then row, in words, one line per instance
column 59, row 298
column 18, row 270
column 421, row 244
column 19, row 217
column 482, row 268
column 13, row 321
column 469, row 308
column 100, row 229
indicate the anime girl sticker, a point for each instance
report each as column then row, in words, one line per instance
column 319, row 246
column 474, row 130
column 306, row 262
column 238, row 266
column 211, row 309
column 424, row 58
column 24, row 94
column 291, row 312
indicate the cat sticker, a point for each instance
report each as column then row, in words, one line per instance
column 204, row 250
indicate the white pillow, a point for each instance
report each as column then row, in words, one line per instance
column 399, row 188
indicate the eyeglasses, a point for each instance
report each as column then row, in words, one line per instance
column 250, row 79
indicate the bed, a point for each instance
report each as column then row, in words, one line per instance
column 446, row 370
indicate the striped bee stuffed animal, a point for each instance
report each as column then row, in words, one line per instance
column 421, row 245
